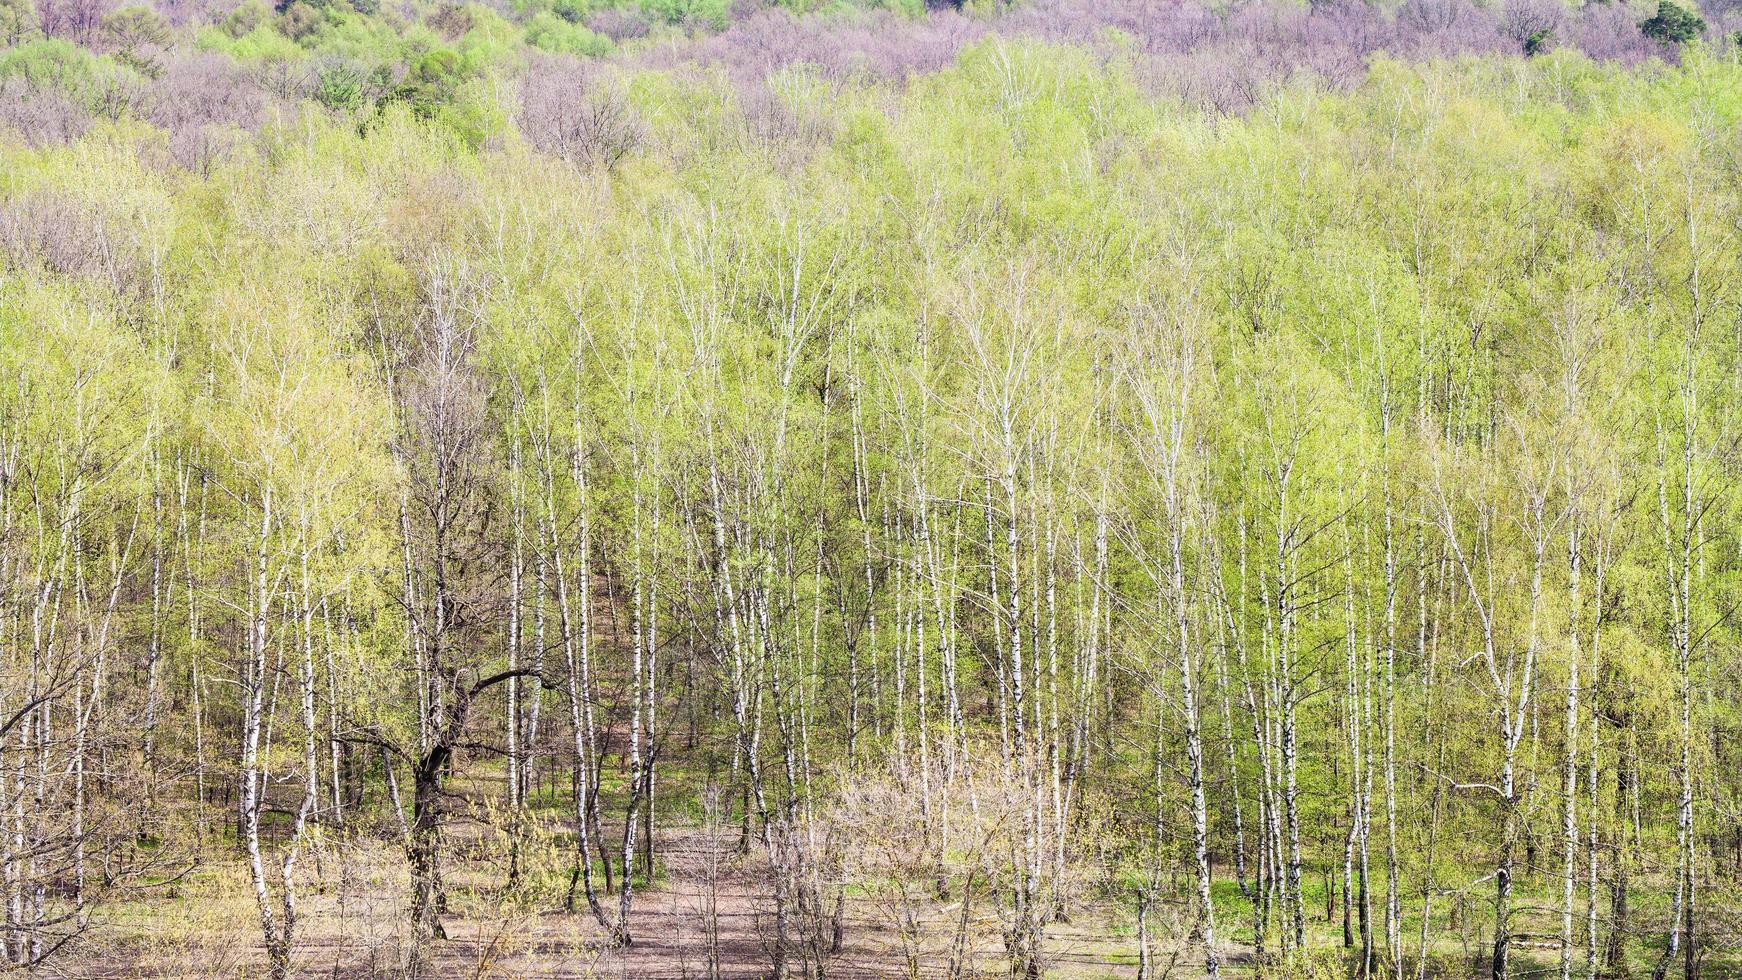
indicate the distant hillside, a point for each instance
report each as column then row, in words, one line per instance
column 208, row 71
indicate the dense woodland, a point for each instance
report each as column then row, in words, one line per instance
column 1258, row 481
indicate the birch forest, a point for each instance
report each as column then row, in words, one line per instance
column 1139, row 489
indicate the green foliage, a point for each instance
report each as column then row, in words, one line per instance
column 133, row 33
column 301, row 21
column 104, row 86
column 1673, row 24
column 489, row 40
column 431, row 83
column 865, row 364
column 474, row 115
column 263, row 44
column 701, row 13
column 342, row 88
column 18, row 21
column 906, row 8
column 134, row 27
column 50, row 63
column 572, row 11
column 367, row 40
column 548, row 32
column 244, row 19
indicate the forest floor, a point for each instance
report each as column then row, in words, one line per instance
column 352, row 924
column 203, row 924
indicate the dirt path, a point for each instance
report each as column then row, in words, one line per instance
column 708, row 897
column 672, row 938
